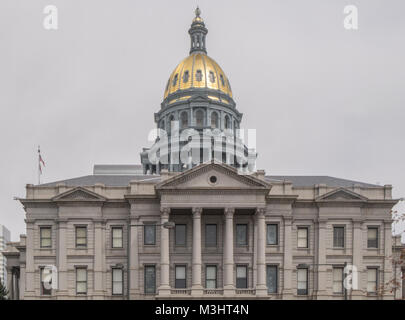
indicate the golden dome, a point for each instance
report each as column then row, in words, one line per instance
column 198, row 71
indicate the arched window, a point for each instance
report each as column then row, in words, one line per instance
column 235, row 125
column 162, row 124
column 198, row 75
column 184, row 119
column 185, row 76
column 199, row 118
column 214, row 120
column 227, row 123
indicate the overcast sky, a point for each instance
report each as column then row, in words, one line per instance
column 324, row 100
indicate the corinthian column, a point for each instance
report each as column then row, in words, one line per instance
column 261, row 286
column 164, row 288
column 229, row 286
column 196, row 288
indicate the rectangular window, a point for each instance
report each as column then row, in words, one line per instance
column 302, row 237
column 81, row 237
column 338, row 280
column 241, row 277
column 180, row 234
column 211, row 277
column 81, row 280
column 210, row 235
column 302, row 281
column 372, row 237
column 180, row 277
column 272, row 234
column 272, row 279
column 46, row 289
column 241, row 234
column 117, row 281
column 339, row 237
column 46, row 237
column 117, row 241
column 149, row 233
column 372, row 280
column 150, row 279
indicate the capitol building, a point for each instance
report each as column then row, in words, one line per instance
column 194, row 222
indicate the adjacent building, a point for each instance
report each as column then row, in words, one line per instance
column 202, row 229
column 4, row 239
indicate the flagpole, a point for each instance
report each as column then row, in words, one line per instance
column 39, row 164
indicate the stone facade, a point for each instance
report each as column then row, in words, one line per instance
column 191, row 199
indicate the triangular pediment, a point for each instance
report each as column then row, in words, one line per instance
column 341, row 194
column 79, row 194
column 199, row 98
column 213, row 176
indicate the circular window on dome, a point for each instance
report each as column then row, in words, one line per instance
column 213, row 179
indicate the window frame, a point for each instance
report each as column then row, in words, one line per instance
column 85, row 281
column 112, row 237
column 208, row 245
column 154, row 234
column 377, row 237
column 335, row 238
column 267, row 275
column 43, row 290
column 216, row 275
column 246, row 278
column 41, row 228
column 376, row 269
column 306, row 238
column 303, row 293
column 335, row 281
column 113, row 282
column 147, row 266
column 277, row 234
column 246, row 242
column 185, row 235
column 177, row 279
column 79, row 245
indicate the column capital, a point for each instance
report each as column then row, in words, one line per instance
column 229, row 212
column 196, row 212
column 260, row 212
column 164, row 211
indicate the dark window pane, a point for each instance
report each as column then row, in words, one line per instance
column 339, row 237
column 150, row 279
column 180, row 281
column 241, row 234
column 372, row 237
column 272, row 279
column 180, row 233
column 211, row 235
column 272, row 236
column 149, row 234
column 241, row 277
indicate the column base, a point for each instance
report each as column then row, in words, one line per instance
column 287, row 294
column 229, row 291
column 164, row 291
column 355, row 295
column 197, row 291
column 261, row 290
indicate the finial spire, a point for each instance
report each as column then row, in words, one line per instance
column 197, row 12
column 197, row 32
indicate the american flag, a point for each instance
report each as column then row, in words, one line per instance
column 40, row 161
